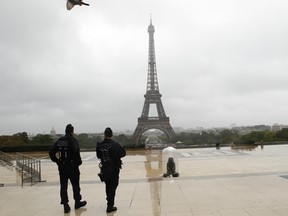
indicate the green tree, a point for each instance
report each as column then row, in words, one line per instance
column 88, row 141
column 282, row 134
column 251, row 138
column 42, row 139
column 11, row 141
column 228, row 136
column 269, row 136
column 123, row 139
column 23, row 136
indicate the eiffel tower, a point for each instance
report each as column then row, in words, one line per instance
column 152, row 96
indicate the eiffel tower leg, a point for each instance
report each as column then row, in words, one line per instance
column 148, row 123
column 138, row 132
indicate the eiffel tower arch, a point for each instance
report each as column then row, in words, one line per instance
column 152, row 96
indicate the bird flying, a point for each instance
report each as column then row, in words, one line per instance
column 71, row 3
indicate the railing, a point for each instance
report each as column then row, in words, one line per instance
column 6, row 160
column 28, row 168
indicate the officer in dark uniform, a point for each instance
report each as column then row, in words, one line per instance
column 115, row 153
column 66, row 153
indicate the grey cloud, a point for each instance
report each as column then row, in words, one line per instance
column 218, row 62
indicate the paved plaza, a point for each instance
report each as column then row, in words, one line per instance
column 223, row 182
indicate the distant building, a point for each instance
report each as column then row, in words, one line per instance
column 276, row 127
column 53, row 132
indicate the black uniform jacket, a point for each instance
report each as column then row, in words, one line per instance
column 68, row 149
column 116, row 151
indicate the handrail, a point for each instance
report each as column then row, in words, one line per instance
column 6, row 159
column 29, row 168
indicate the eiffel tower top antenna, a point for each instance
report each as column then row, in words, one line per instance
column 152, row 81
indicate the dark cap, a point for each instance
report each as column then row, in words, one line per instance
column 69, row 129
column 108, row 132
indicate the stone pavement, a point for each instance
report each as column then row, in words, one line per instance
column 212, row 182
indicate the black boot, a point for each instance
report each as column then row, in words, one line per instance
column 111, row 209
column 66, row 208
column 80, row 204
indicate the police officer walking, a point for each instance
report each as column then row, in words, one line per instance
column 109, row 150
column 66, row 153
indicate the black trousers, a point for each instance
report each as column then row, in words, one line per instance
column 111, row 184
column 71, row 172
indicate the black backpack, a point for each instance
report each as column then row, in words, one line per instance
column 106, row 164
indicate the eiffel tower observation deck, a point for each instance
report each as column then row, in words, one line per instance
column 152, row 96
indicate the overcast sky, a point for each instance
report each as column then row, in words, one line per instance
column 218, row 62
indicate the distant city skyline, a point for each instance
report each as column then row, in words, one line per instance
column 276, row 127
